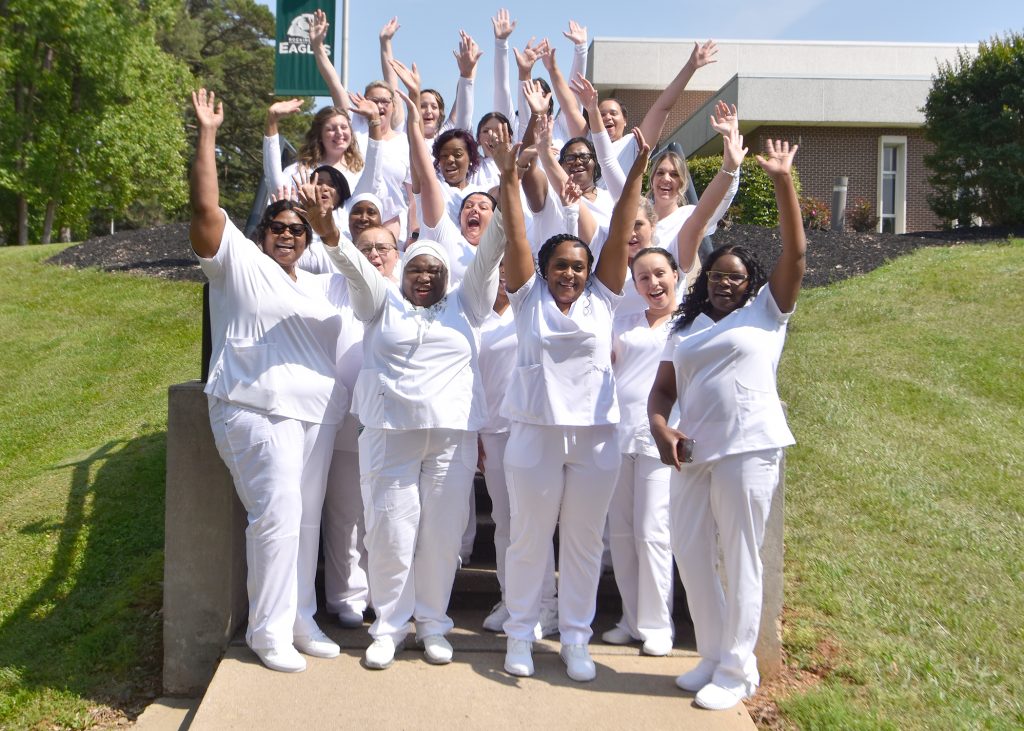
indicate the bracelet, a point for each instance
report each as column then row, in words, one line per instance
column 373, row 123
column 734, row 174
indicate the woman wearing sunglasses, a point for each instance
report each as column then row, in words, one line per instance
column 275, row 402
column 719, row 367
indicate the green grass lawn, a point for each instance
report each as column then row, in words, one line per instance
column 86, row 359
column 905, row 504
column 905, row 494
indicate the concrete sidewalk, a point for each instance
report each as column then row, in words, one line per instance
column 631, row 690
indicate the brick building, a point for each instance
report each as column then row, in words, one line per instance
column 854, row 108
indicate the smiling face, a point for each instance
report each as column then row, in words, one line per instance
column 656, row 281
column 335, row 137
column 725, row 295
column 430, row 112
column 566, row 273
column 363, row 215
column 453, row 159
column 287, row 246
column 667, row 181
column 579, row 163
column 424, row 280
column 475, row 216
column 643, row 233
column 612, row 118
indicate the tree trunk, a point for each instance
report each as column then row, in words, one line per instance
column 65, row 234
column 22, row 220
column 51, row 212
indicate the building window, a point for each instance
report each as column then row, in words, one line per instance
column 892, row 184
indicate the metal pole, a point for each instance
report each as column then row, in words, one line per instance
column 344, row 43
column 839, row 203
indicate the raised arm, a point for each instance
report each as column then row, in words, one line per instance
column 556, row 176
column 480, row 284
column 692, row 232
column 317, row 35
column 788, row 274
column 654, row 121
column 568, row 107
column 578, row 35
column 272, row 171
column 611, row 170
column 467, row 57
column 525, row 60
column 207, row 225
column 613, row 263
column 503, row 27
column 518, row 257
column 432, row 201
column 370, row 179
column 386, row 55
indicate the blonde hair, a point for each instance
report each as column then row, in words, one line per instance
column 680, row 165
column 311, row 154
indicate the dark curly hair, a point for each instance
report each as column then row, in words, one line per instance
column 544, row 255
column 697, row 300
column 467, row 139
column 271, row 212
column 593, row 152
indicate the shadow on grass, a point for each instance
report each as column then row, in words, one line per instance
column 92, row 627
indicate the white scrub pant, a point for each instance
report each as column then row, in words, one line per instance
column 494, row 474
column 416, row 487
column 641, row 547
column 730, row 496
column 562, row 475
column 279, row 467
column 345, row 583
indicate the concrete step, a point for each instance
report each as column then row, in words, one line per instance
column 631, row 690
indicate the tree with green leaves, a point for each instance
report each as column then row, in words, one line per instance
column 228, row 46
column 974, row 115
column 91, row 113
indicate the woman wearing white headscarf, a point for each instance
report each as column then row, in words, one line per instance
column 421, row 402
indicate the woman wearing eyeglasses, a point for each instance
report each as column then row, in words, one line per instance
column 719, row 366
column 274, row 398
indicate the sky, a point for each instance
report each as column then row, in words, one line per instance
column 429, row 30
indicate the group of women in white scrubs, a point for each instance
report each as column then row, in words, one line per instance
column 481, row 302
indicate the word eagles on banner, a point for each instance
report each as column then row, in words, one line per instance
column 298, row 36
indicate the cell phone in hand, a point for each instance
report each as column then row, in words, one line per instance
column 684, row 449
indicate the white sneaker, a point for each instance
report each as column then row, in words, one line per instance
column 719, row 698
column 437, row 649
column 381, row 653
column 495, row 621
column 578, row 664
column 349, row 618
column 548, row 623
column 317, row 644
column 519, row 657
column 617, row 636
column 695, row 679
column 657, row 646
column 283, row 659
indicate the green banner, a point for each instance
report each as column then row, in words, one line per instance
column 295, row 67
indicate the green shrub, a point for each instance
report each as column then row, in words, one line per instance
column 861, row 216
column 815, row 213
column 755, row 200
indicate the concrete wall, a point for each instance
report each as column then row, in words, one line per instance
column 204, row 547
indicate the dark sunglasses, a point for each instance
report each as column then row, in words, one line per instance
column 296, row 229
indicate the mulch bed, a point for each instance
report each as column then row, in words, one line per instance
column 163, row 251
